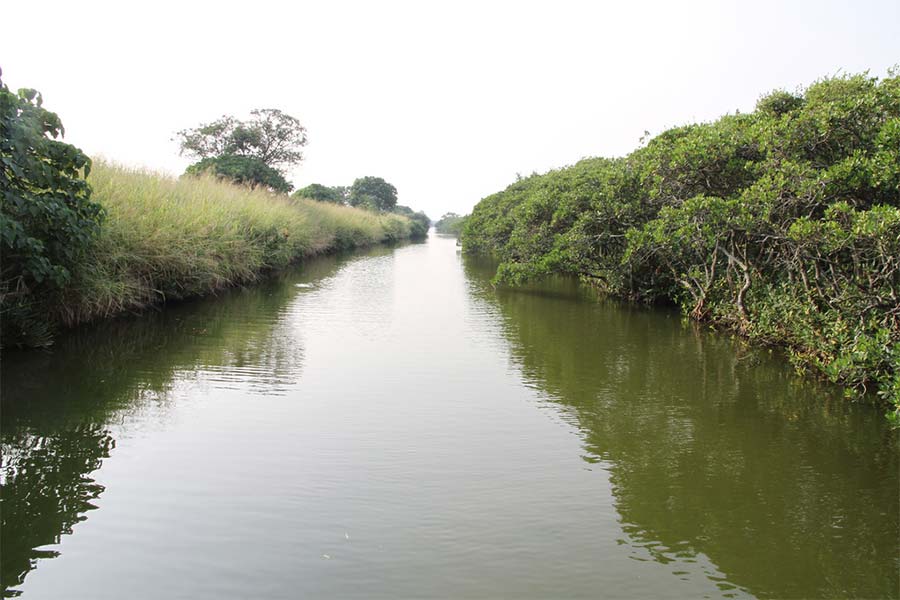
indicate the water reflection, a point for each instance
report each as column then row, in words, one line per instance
column 45, row 492
column 61, row 409
column 713, row 450
column 378, row 415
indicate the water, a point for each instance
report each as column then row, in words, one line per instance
column 388, row 425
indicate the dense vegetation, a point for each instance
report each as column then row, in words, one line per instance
column 369, row 193
column 782, row 224
column 47, row 218
column 80, row 243
column 451, row 223
column 421, row 223
column 243, row 170
column 373, row 193
column 170, row 238
column 253, row 152
column 323, row 193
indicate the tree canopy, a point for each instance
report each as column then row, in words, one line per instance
column 242, row 169
column 323, row 193
column 374, row 193
column 782, row 224
column 420, row 221
column 255, row 151
column 451, row 223
column 47, row 218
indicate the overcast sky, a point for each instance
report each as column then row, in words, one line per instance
column 446, row 100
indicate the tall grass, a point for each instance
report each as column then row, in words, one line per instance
column 166, row 238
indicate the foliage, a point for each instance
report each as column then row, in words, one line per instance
column 242, row 170
column 782, row 224
column 170, row 238
column 367, row 190
column 271, row 136
column 255, row 151
column 317, row 191
column 451, row 223
column 373, row 193
column 420, row 221
column 47, row 219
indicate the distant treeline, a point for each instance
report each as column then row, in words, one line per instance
column 163, row 238
column 782, row 224
column 370, row 193
column 83, row 240
column 257, row 151
column 450, row 223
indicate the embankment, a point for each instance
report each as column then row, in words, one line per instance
column 164, row 238
column 782, row 225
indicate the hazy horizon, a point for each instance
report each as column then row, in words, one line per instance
column 447, row 102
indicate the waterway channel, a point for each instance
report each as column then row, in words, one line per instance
column 389, row 425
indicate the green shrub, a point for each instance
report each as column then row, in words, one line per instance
column 451, row 224
column 419, row 221
column 373, row 193
column 782, row 224
column 317, row 191
column 168, row 238
column 47, row 219
column 242, row 170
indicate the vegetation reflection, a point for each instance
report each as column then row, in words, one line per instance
column 713, row 448
column 57, row 430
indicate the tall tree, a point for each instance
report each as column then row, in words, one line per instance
column 317, row 191
column 247, row 151
column 244, row 170
column 47, row 218
column 374, row 193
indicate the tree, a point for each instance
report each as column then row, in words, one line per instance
column 420, row 221
column 451, row 223
column 270, row 141
column 47, row 218
column 374, row 193
column 317, row 191
column 344, row 192
column 242, row 169
column 782, row 225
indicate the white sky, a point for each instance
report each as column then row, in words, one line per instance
column 447, row 101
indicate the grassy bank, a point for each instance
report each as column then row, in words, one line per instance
column 782, row 225
column 165, row 238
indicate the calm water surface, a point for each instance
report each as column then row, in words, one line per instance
column 388, row 425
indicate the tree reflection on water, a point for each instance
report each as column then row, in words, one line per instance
column 714, row 448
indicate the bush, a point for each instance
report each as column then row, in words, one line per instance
column 451, row 224
column 782, row 224
column 48, row 218
column 373, row 193
column 242, row 170
column 419, row 221
column 317, row 191
column 168, row 238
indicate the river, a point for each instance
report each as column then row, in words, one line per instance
column 388, row 425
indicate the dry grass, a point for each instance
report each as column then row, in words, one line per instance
column 167, row 238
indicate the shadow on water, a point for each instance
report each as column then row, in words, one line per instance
column 715, row 453
column 713, row 448
column 62, row 408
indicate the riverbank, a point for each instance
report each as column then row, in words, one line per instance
column 644, row 447
column 782, row 225
column 165, row 239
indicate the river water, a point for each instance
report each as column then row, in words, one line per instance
column 388, row 425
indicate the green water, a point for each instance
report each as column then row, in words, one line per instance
column 389, row 425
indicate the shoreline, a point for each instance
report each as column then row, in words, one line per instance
column 165, row 239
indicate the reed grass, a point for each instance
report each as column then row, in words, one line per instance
column 165, row 238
